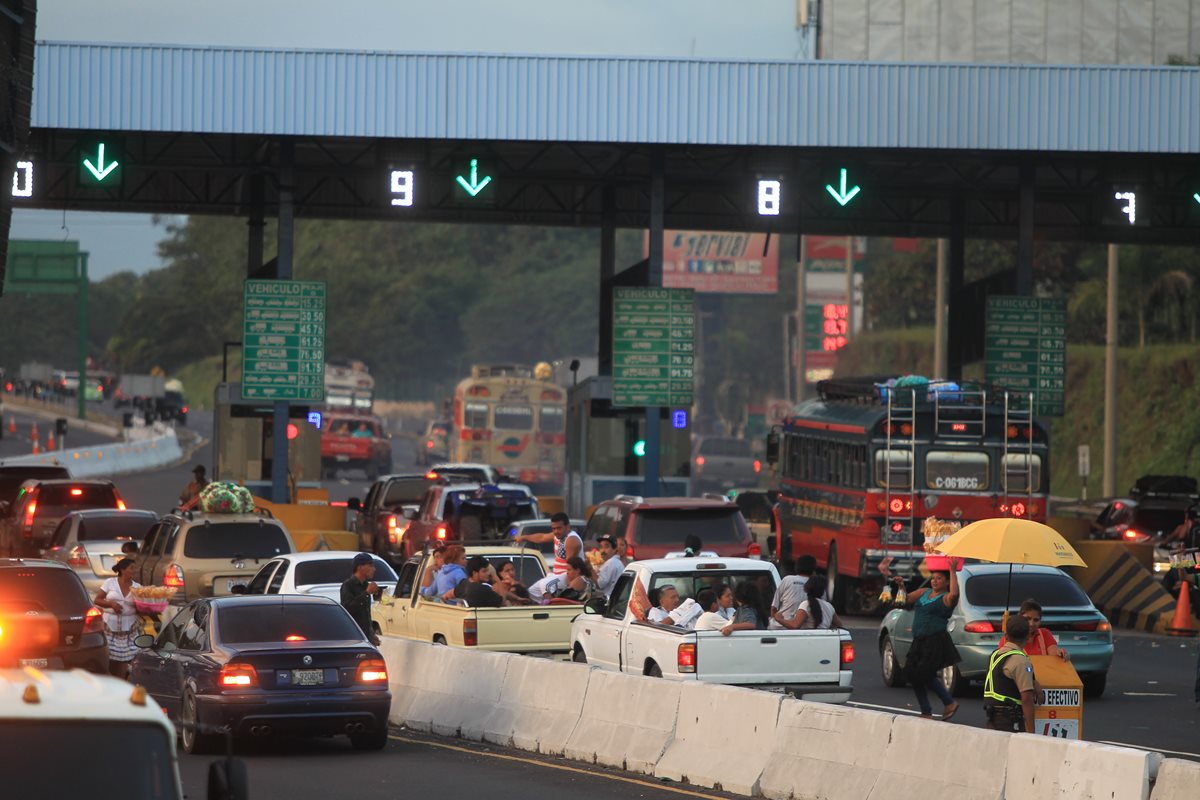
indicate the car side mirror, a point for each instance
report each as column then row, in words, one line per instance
column 773, row 447
column 227, row 780
column 596, row 605
column 143, row 641
column 354, row 504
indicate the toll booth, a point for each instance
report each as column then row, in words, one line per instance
column 243, row 441
column 603, row 458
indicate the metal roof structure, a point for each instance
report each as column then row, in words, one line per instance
column 906, row 106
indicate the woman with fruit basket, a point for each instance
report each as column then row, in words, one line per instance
column 120, row 616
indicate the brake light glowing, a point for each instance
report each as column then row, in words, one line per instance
column 120, row 504
column 295, row 637
column 431, row 476
column 1018, row 509
column 754, row 551
column 897, row 505
column 173, row 576
column 184, row 409
column 77, row 557
column 897, row 527
column 958, row 427
column 979, row 626
column 93, row 621
column 77, row 493
column 699, row 461
column 429, row 444
column 441, row 532
column 757, row 466
column 847, row 654
column 238, row 675
column 1134, row 535
column 470, row 632
column 629, row 553
column 372, row 670
column 30, row 510
column 391, row 523
column 685, row 658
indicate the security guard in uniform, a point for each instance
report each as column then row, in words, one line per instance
column 1010, row 691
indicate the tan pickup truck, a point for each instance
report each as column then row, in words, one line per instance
column 512, row 629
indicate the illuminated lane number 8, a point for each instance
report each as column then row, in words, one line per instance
column 768, row 198
column 402, row 187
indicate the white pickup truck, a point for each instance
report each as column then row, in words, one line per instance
column 813, row 664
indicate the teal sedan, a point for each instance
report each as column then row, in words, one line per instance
column 974, row 626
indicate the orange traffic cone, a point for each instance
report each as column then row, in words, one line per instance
column 12, row 424
column 1182, row 625
column 50, row 441
column 33, row 434
column 36, row 448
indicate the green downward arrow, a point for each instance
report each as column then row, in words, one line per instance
column 475, row 186
column 1197, row 197
column 844, row 196
column 99, row 169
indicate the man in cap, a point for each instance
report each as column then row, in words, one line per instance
column 1010, row 692
column 193, row 489
column 357, row 591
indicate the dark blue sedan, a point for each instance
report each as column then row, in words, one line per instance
column 262, row 665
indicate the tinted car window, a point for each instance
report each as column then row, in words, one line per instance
column 735, row 448
column 316, row 622
column 258, row 584
column 672, row 526
column 118, row 526
column 405, row 491
column 336, row 570
column 65, row 496
column 55, row 590
column 11, row 480
column 1157, row 520
column 245, row 539
column 1048, row 589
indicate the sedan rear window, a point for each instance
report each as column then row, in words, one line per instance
column 672, row 526
column 337, row 570
column 32, row 589
column 235, row 539
column 315, row 622
column 1048, row 589
column 118, row 526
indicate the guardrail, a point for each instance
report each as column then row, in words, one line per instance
column 751, row 742
column 118, row 458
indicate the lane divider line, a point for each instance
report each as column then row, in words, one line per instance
column 1152, row 749
column 563, row 767
column 882, row 708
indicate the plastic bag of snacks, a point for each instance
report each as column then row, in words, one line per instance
column 224, row 497
column 937, row 531
column 152, row 599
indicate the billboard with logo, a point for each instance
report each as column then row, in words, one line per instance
column 727, row 263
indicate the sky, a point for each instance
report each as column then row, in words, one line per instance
column 730, row 29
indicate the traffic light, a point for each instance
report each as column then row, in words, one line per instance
column 639, row 448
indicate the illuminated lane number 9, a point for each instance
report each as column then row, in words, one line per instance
column 768, row 198
column 402, row 187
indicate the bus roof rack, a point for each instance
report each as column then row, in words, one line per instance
column 874, row 390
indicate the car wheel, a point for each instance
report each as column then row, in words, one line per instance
column 439, row 639
column 889, row 665
column 375, row 740
column 194, row 742
column 953, row 680
column 579, row 657
column 1094, row 684
column 654, row 671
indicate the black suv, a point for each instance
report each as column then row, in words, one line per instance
column 48, row 619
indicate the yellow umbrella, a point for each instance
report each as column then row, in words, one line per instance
column 1004, row 540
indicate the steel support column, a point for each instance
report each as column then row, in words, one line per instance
column 654, row 277
column 1025, row 233
column 283, row 271
column 956, row 314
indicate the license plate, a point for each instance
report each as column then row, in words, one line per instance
column 308, row 677
column 36, row 663
column 232, row 582
column 343, row 458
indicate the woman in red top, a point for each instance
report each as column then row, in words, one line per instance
column 1041, row 641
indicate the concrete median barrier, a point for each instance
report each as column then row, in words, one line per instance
column 443, row 690
column 1040, row 768
column 538, row 706
column 627, row 721
column 969, row 762
column 118, row 458
column 723, row 737
column 1177, row 780
column 825, row 751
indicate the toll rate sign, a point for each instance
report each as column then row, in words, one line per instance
column 654, row 346
column 1026, row 349
column 283, row 340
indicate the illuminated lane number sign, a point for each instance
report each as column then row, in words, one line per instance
column 769, row 192
column 402, row 187
column 23, row 180
column 1130, row 207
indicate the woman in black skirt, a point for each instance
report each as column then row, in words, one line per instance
column 932, row 649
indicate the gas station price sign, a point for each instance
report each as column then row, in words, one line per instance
column 283, row 340
column 654, row 346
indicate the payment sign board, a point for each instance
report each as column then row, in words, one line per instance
column 654, row 346
column 1026, row 349
column 283, row 341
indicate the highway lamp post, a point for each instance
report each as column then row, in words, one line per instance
column 1110, row 377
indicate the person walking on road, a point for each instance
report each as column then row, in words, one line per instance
column 192, row 491
column 357, row 591
column 1009, row 691
column 120, row 617
column 567, row 543
column 611, row 565
column 932, row 650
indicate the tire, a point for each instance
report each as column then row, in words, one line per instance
column 838, row 584
column 955, row 684
column 579, row 657
column 375, row 740
column 889, row 665
column 439, row 639
column 1094, row 684
column 654, row 671
column 194, row 742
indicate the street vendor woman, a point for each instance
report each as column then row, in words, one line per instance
column 120, row 617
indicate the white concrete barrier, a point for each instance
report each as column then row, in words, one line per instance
column 118, row 458
column 962, row 762
column 539, row 705
column 1177, row 780
column 1042, row 768
column 444, row 690
column 825, row 751
column 627, row 721
column 723, row 737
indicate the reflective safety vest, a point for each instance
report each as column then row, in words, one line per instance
column 998, row 686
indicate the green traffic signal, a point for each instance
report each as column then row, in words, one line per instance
column 639, row 448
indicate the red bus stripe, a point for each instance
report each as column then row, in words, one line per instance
column 829, row 426
column 822, row 487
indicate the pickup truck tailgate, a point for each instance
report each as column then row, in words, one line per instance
column 768, row 657
column 526, row 629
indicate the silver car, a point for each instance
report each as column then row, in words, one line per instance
column 90, row 541
column 974, row 626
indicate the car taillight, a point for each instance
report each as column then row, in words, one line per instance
column 93, row 621
column 629, row 553
column 173, row 576
column 30, row 511
column 77, row 493
column 184, row 409
column 120, row 504
column 685, row 658
column 238, row 675
column 77, row 557
column 1098, row 626
column 699, row 463
column 372, row 670
column 1132, row 535
column 470, row 633
column 979, row 626
column 429, row 444
column 847, row 654
column 754, row 550
column 441, row 532
column 757, row 466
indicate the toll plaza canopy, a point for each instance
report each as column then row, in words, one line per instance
column 1103, row 153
